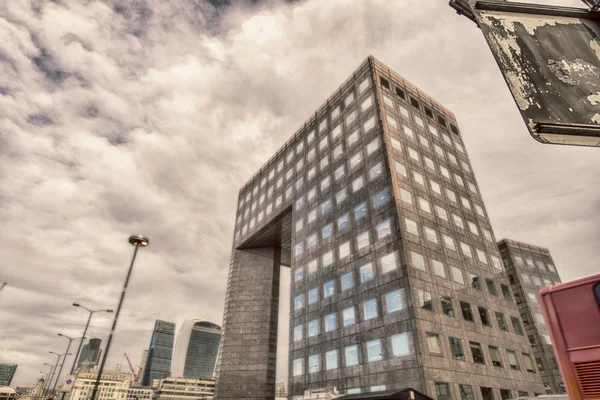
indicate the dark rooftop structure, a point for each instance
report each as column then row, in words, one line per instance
column 408, row 394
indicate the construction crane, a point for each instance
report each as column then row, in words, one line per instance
column 136, row 376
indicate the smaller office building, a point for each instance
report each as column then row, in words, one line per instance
column 185, row 389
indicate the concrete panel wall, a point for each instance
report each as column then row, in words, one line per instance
column 249, row 341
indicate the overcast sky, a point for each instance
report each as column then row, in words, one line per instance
column 147, row 116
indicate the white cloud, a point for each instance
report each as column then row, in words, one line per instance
column 120, row 117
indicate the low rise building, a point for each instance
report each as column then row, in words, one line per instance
column 114, row 385
column 185, row 389
column 8, row 393
column 140, row 393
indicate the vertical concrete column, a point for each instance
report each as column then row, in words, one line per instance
column 248, row 347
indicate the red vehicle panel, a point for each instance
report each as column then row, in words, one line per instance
column 572, row 310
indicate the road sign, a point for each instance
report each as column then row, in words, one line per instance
column 67, row 385
column 550, row 59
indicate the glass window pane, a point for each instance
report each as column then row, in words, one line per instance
column 347, row 281
column 366, row 273
column 349, row 316
column 331, row 359
column 400, row 345
column 374, row 350
column 456, row 348
column 313, row 363
column 433, row 343
column 370, row 309
column 351, row 355
column 313, row 328
column 298, row 367
column 388, row 263
column 330, row 323
column 394, row 301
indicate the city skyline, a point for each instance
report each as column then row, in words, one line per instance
column 71, row 199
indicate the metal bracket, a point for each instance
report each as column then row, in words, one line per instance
column 463, row 7
column 540, row 9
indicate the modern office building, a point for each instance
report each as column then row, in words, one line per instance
column 90, row 354
column 196, row 348
column 185, row 389
column 7, row 372
column 529, row 269
column 113, row 385
column 160, row 351
column 396, row 277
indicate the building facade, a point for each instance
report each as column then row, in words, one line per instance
column 160, row 351
column 531, row 268
column 196, row 348
column 185, row 389
column 396, row 277
column 90, row 354
column 139, row 393
column 114, row 385
column 7, row 373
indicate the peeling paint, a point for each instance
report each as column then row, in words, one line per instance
column 551, row 64
column 575, row 72
column 594, row 98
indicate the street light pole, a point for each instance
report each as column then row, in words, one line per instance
column 54, row 370
column 47, row 383
column 64, row 358
column 137, row 241
column 84, row 331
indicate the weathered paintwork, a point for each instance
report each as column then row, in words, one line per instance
column 551, row 64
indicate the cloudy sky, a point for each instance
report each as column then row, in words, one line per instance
column 127, row 116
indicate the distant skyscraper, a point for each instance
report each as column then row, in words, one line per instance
column 160, row 351
column 7, row 372
column 196, row 349
column 90, row 354
column 531, row 268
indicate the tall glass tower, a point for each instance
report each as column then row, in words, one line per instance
column 160, row 351
column 396, row 277
column 90, row 354
column 196, row 347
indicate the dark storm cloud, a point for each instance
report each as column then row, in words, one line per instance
column 119, row 117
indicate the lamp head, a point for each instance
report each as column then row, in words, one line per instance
column 139, row 240
column 76, row 304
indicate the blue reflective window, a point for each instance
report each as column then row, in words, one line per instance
column 313, row 328
column 326, row 232
column 330, row 323
column 360, row 211
column 370, row 308
column 394, row 301
column 343, row 222
column 351, row 353
column 347, row 281
column 374, row 350
column 380, row 199
column 349, row 316
column 313, row 296
column 325, row 207
column 329, row 288
column 366, row 273
column 298, row 302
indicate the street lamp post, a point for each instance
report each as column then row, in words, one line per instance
column 47, row 383
column 45, row 378
column 92, row 312
column 58, row 356
column 64, row 358
column 137, row 241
